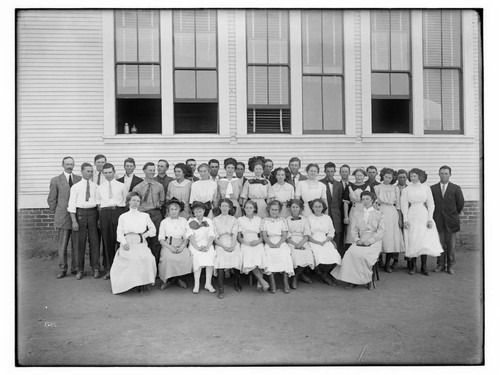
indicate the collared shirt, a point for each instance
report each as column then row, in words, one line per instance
column 97, row 177
column 443, row 188
column 67, row 176
column 118, row 194
column 216, row 178
column 155, row 198
column 77, row 195
column 165, row 180
column 127, row 180
column 366, row 213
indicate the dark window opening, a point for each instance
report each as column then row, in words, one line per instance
column 391, row 115
column 145, row 114
column 268, row 121
column 196, row 118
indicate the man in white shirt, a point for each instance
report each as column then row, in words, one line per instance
column 110, row 198
column 129, row 178
column 99, row 161
column 82, row 208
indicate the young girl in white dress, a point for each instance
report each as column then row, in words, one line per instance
column 283, row 191
column 311, row 189
column 180, row 188
column 230, row 186
column 204, row 190
column 258, row 189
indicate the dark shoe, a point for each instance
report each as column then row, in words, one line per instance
column 237, row 286
column 74, row 272
column 424, row 271
column 61, row 274
column 439, row 269
column 394, row 265
column 369, row 286
column 294, row 282
column 79, row 275
column 181, row 283
column 327, row 280
column 97, row 274
column 272, row 284
column 220, row 293
column 286, row 286
column 413, row 267
column 305, row 279
column 387, row 269
column 349, row 286
column 451, row 271
column 106, row 277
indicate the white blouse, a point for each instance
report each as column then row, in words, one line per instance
column 176, row 228
column 134, row 221
column 203, row 191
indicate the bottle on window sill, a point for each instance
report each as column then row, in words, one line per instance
column 134, row 129
column 126, row 129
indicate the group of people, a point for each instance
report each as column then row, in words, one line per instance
column 278, row 221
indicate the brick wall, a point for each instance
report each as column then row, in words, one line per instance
column 37, row 237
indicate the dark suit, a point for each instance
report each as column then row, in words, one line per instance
column 334, row 195
column 135, row 180
column 447, row 217
column 58, row 204
column 301, row 178
column 345, row 198
column 271, row 178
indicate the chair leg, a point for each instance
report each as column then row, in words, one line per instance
column 250, row 279
column 374, row 270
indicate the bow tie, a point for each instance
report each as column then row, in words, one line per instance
column 256, row 181
column 296, row 218
column 195, row 225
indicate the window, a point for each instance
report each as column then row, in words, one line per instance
column 442, row 44
column 137, row 64
column 322, row 68
column 195, row 71
column 391, row 84
column 268, row 72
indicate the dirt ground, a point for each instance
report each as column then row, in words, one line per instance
column 405, row 320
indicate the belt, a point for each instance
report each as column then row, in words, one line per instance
column 87, row 209
column 111, row 207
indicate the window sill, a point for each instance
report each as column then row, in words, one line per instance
column 160, row 138
column 283, row 138
column 412, row 138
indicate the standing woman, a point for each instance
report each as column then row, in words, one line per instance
column 175, row 258
column 204, row 190
column 134, row 265
column 258, row 189
column 367, row 230
column 230, row 186
column 299, row 231
column 311, row 189
column 355, row 190
column 180, row 188
column 389, row 201
column 320, row 240
column 252, row 248
column 421, row 235
column 283, row 191
column 402, row 178
column 274, row 230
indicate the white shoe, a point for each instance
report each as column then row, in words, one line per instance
column 210, row 288
column 196, row 289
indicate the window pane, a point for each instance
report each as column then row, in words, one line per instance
column 206, row 84
column 333, row 107
column 400, row 40
column 126, row 36
column 257, row 36
column 432, row 99
column 127, row 79
column 312, row 103
column 400, row 84
column 451, row 100
column 145, row 114
column 432, row 37
column 332, row 42
column 149, row 35
column 184, row 38
column 206, row 39
column 278, row 85
column 149, row 79
column 257, row 85
column 452, row 51
column 268, row 120
column 380, row 40
column 311, row 42
column 195, row 118
column 185, row 84
column 390, row 116
column 380, row 84
column 278, row 36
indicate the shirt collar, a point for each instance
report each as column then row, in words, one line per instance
column 368, row 209
column 66, row 175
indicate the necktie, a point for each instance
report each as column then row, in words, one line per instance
column 229, row 190
column 87, row 192
column 110, row 191
column 70, row 181
column 148, row 192
column 99, row 178
column 443, row 189
column 330, row 185
column 296, row 218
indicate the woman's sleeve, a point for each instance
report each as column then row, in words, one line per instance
column 404, row 203
column 235, row 228
column 151, row 227
column 376, row 189
column 379, row 233
column 355, row 231
column 169, row 192
column 216, row 231
column 189, row 231
column 298, row 190
column 120, row 230
column 211, row 228
column 270, row 191
column 430, row 202
column 307, row 228
column 244, row 191
column 284, row 225
column 262, row 226
column 161, row 230
column 192, row 193
column 398, row 197
column 331, row 228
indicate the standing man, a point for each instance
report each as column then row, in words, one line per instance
column 163, row 179
column 58, row 204
column 294, row 166
column 449, row 202
column 240, row 172
column 82, row 208
column 213, row 166
column 191, row 163
column 129, row 178
column 345, row 171
column 110, row 199
column 334, row 192
column 372, row 174
column 99, row 161
column 153, row 198
column 268, row 168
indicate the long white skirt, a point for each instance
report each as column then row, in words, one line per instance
column 278, row 259
column 172, row 265
column 356, row 210
column 253, row 256
column 226, row 259
column 202, row 259
column 419, row 239
column 302, row 258
column 326, row 254
column 357, row 264
column 392, row 241
column 132, row 268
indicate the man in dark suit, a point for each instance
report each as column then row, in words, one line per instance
column 334, row 193
column 449, row 202
column 345, row 172
column 129, row 178
column 372, row 175
column 58, row 204
column 191, row 164
column 296, row 176
column 268, row 171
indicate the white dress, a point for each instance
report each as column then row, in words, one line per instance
column 388, row 197
column 284, row 193
column 253, row 256
column 419, row 239
column 277, row 259
column 174, row 231
column 258, row 193
column 309, row 190
column 322, row 227
column 357, row 207
column 136, row 266
column 297, row 229
column 204, row 191
column 236, row 186
column 201, row 236
column 226, row 229
column 181, row 191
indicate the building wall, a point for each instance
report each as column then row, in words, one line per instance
column 64, row 106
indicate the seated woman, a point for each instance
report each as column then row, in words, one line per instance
column 274, row 230
column 201, row 237
column 367, row 231
column 175, row 258
column 298, row 237
column 134, row 265
column 227, row 249
column 252, row 249
column 322, row 233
